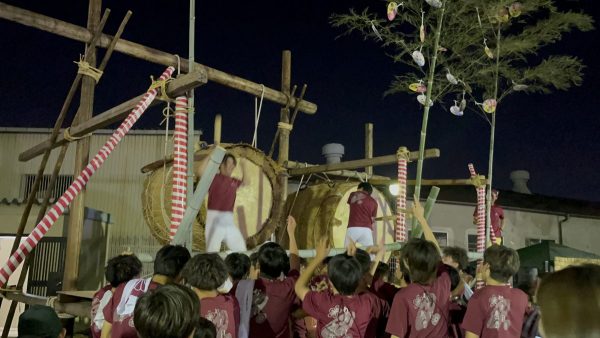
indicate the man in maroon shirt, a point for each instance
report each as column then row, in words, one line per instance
column 220, row 225
column 363, row 210
column 118, row 313
column 497, row 310
column 496, row 217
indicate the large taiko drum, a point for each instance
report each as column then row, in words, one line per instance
column 322, row 210
column 254, row 206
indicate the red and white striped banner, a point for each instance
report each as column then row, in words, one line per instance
column 480, row 221
column 401, row 199
column 179, row 191
column 78, row 184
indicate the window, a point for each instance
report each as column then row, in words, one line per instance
column 441, row 237
column 472, row 242
column 62, row 183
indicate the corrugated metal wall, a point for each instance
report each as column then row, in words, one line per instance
column 116, row 188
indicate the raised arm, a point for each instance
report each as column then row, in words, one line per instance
column 301, row 286
column 294, row 253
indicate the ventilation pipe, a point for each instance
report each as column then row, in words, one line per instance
column 520, row 178
column 333, row 152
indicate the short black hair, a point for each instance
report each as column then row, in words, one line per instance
column 229, row 156
column 364, row 259
column 122, row 268
column 205, row 271
column 253, row 258
column 383, row 270
column 170, row 311
column 205, row 329
column 459, row 255
column 170, row 259
column 422, row 258
column 454, row 277
column 366, row 187
column 238, row 265
column 272, row 260
column 345, row 273
column 503, row 261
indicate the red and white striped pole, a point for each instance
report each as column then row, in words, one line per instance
column 179, row 191
column 480, row 220
column 401, row 199
column 78, row 184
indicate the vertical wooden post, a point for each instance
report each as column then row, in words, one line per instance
column 369, row 146
column 76, row 213
column 284, row 135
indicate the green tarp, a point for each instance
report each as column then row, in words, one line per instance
column 534, row 256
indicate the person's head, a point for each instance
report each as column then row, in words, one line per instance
column 382, row 272
column 169, row 261
column 420, row 260
column 205, row 329
column 366, row 187
column 238, row 265
column 170, row 311
column 495, row 194
column 227, row 165
column 253, row 274
column 122, row 268
column 364, row 259
column 456, row 287
column 205, row 272
column 272, row 260
column 40, row 321
column 456, row 257
column 569, row 302
column 345, row 273
column 500, row 263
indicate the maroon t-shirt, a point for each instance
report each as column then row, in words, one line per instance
column 363, row 208
column 272, row 304
column 224, row 312
column 96, row 330
column 420, row 311
column 122, row 324
column 496, row 215
column 384, row 290
column 341, row 316
column 496, row 311
column 222, row 192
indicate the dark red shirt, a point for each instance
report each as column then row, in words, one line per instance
column 496, row 311
column 224, row 312
column 122, row 319
column 384, row 290
column 96, row 328
column 363, row 209
column 420, row 311
column 272, row 304
column 341, row 316
column 496, row 217
column 222, row 192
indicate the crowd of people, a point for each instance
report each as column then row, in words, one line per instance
column 423, row 291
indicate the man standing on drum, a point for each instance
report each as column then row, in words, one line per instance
column 220, row 225
column 363, row 210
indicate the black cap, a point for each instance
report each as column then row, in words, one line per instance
column 39, row 321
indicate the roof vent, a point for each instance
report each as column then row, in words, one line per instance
column 520, row 178
column 333, row 152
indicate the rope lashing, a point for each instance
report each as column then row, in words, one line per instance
column 285, row 126
column 84, row 68
column 67, row 135
column 162, row 86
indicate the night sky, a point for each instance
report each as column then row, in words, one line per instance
column 552, row 136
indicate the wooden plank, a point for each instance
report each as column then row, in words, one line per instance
column 441, row 182
column 375, row 161
column 80, row 309
column 68, row 30
column 176, row 87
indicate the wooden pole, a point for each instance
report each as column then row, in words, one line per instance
column 375, row 161
column 369, row 145
column 460, row 181
column 48, row 24
column 175, row 88
column 217, row 133
column 82, row 154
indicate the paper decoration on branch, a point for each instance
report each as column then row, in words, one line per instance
column 503, row 15
column 459, row 109
column 376, row 31
column 434, row 3
column 392, row 10
column 451, row 77
column 489, row 106
column 515, row 9
column 418, row 58
column 442, row 49
column 418, row 87
column 423, row 98
column 417, row 55
column 422, row 28
column 519, row 87
column 487, row 49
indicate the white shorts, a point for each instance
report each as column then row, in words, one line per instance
column 220, row 227
column 361, row 235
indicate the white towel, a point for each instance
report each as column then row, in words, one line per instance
column 243, row 293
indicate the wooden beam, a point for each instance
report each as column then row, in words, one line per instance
column 375, row 161
column 71, row 31
column 79, row 309
column 177, row 87
column 341, row 173
column 369, row 145
column 460, row 181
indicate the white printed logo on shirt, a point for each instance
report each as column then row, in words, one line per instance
column 221, row 320
column 425, row 306
column 499, row 316
column 343, row 320
column 357, row 198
